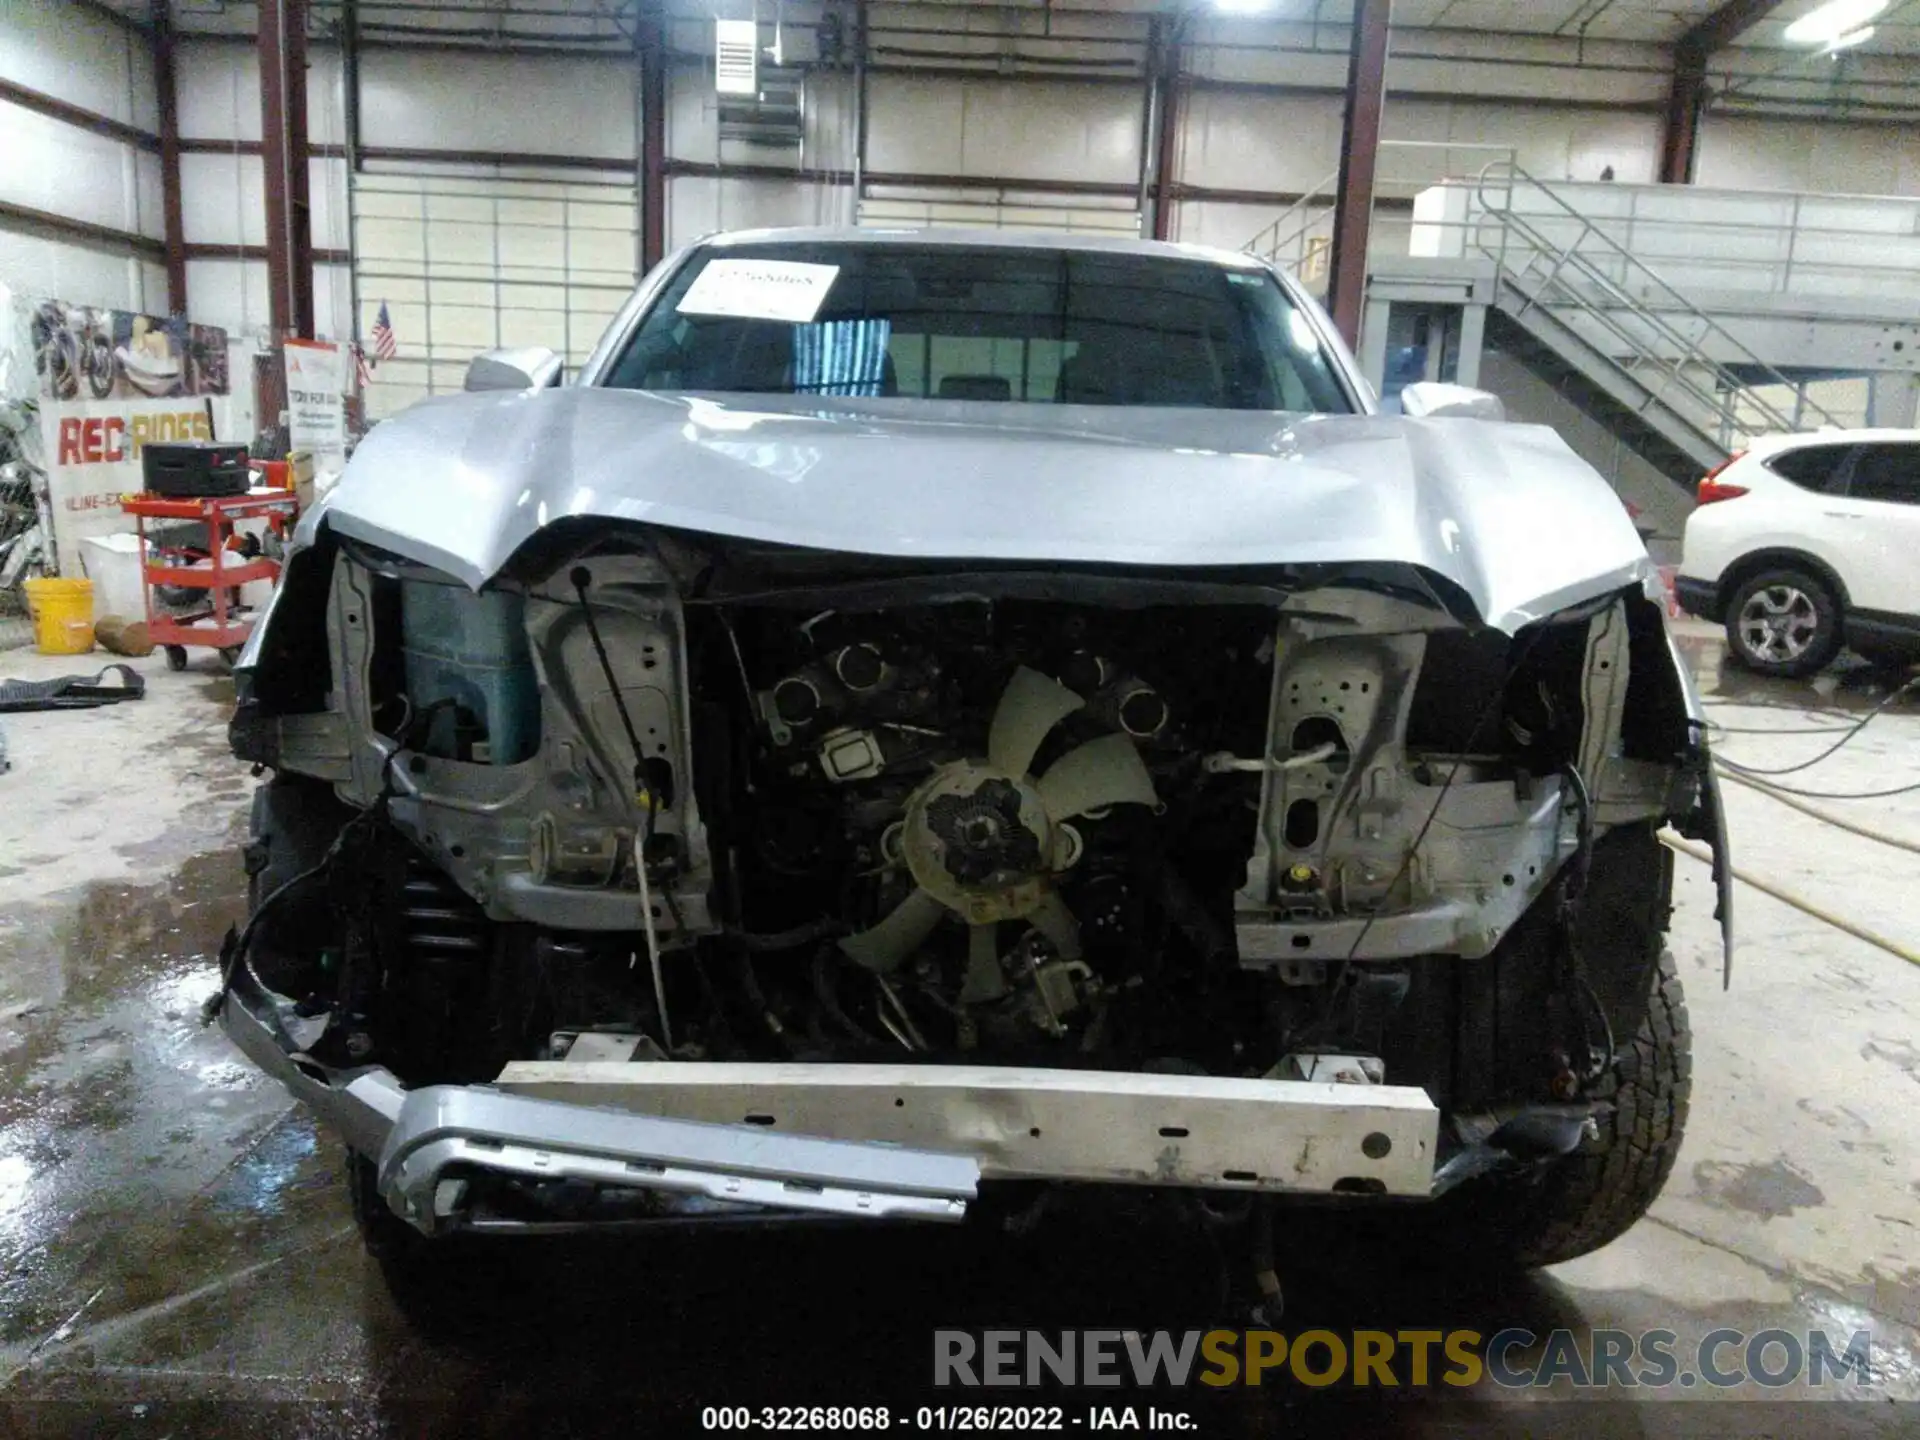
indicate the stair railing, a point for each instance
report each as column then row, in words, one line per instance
column 1577, row 276
column 1284, row 242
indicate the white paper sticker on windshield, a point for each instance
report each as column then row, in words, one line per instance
column 759, row 290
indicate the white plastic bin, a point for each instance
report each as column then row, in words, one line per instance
column 112, row 563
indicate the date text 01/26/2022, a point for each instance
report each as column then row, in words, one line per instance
column 942, row 1418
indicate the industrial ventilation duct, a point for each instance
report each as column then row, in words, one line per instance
column 759, row 105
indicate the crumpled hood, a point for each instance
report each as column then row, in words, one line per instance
column 1506, row 512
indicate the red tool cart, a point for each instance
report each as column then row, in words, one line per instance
column 217, row 565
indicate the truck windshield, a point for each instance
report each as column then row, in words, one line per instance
column 988, row 324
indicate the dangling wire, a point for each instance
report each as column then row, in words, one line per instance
column 643, row 797
column 1572, row 890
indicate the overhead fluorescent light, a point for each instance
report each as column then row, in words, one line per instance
column 1243, row 7
column 1833, row 20
column 1851, row 39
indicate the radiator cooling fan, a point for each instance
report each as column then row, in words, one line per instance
column 983, row 839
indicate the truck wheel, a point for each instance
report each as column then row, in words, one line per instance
column 1783, row 622
column 1596, row 1194
column 434, row 1283
column 388, row 1238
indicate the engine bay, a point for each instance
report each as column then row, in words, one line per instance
column 1006, row 810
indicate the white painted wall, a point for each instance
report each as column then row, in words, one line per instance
column 219, row 91
column 537, row 104
column 1002, row 128
column 79, row 55
column 60, row 169
column 1748, row 153
column 1552, row 144
column 698, row 205
column 1243, row 140
column 233, row 295
column 222, row 199
column 37, row 267
column 1425, row 62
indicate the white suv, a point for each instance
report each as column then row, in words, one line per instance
column 1806, row 542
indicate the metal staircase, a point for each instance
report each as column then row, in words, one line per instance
column 1616, row 321
column 1573, row 300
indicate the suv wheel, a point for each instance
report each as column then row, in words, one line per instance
column 1783, row 622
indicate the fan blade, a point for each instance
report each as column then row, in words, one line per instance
column 1031, row 706
column 1055, row 921
column 984, row 981
column 1107, row 771
column 882, row 947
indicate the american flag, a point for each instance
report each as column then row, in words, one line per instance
column 384, row 347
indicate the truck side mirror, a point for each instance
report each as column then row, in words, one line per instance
column 527, row 367
column 1432, row 398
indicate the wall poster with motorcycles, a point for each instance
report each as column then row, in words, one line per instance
column 112, row 381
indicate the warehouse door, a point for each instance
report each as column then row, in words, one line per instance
column 467, row 264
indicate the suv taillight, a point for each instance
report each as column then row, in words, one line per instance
column 1711, row 489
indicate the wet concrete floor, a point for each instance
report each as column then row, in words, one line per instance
column 176, row 1256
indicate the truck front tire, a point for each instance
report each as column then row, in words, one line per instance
column 1596, row 1194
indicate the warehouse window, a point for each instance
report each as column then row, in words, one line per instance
column 999, row 324
column 469, row 264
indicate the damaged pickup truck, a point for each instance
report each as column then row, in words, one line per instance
column 922, row 717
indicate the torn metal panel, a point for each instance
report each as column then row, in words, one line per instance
column 320, row 745
column 444, row 1132
column 480, row 820
column 1028, row 1124
column 1487, row 854
column 1603, row 696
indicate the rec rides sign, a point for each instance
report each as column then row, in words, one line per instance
column 111, row 382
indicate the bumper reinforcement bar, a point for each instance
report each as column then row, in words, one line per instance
column 1104, row 1127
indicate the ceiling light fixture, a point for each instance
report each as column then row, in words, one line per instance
column 1834, row 21
column 1851, row 39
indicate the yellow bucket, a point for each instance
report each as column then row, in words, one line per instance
column 62, row 615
